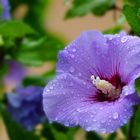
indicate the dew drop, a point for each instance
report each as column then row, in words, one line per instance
column 74, row 50
column 48, row 90
column 72, row 56
column 86, row 121
column 94, row 120
column 101, row 108
column 124, row 39
column 88, row 128
column 72, row 69
column 56, row 119
column 51, row 87
column 110, row 38
column 103, row 130
column 115, row 115
column 66, row 124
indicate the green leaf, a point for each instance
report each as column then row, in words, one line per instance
column 58, row 135
column 36, row 13
column 113, row 30
column 47, row 132
column 137, row 86
column 111, row 136
column 34, row 80
column 15, row 29
column 93, row 135
column 16, row 132
column 3, row 70
column 136, row 126
column 36, row 51
column 56, row 131
column 39, row 80
column 133, row 18
column 133, row 2
column 81, row 8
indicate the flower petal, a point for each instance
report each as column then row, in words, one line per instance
column 93, row 53
column 16, row 72
column 123, row 50
column 82, row 57
column 63, row 97
column 66, row 101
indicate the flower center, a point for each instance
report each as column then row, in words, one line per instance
column 106, row 89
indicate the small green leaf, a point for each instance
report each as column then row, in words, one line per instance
column 34, row 80
column 136, row 126
column 39, row 80
column 3, row 70
column 93, row 135
column 113, row 30
column 111, row 136
column 56, row 131
column 35, row 51
column 133, row 18
column 15, row 29
column 81, row 8
column 137, row 86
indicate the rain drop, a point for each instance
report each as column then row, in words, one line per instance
column 74, row 50
column 124, row 39
column 115, row 115
column 94, row 120
column 51, row 87
column 72, row 69
column 72, row 56
column 103, row 130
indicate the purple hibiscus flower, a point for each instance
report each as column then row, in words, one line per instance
column 16, row 72
column 25, row 106
column 94, row 86
column 6, row 10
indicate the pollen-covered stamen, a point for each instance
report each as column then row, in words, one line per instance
column 105, row 87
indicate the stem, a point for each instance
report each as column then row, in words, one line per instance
column 131, row 125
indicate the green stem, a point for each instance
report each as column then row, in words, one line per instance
column 131, row 126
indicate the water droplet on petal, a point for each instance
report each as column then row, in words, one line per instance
column 88, row 128
column 115, row 115
column 110, row 38
column 48, row 90
column 74, row 50
column 72, row 69
column 101, row 108
column 66, row 124
column 124, row 39
column 51, row 87
column 94, row 120
column 103, row 130
column 72, row 56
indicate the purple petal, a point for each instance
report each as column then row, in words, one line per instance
column 124, row 49
column 66, row 100
column 95, row 54
column 71, row 98
column 16, row 72
column 80, row 58
column 25, row 106
column 6, row 10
